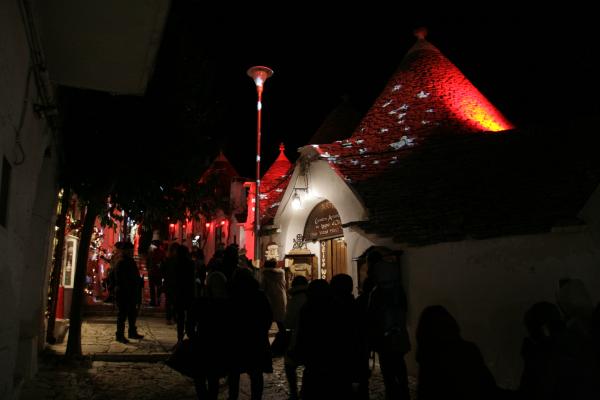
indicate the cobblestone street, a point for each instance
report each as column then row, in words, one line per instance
column 112, row 370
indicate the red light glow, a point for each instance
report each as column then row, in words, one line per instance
column 222, row 222
column 207, row 224
column 480, row 113
column 426, row 97
column 172, row 225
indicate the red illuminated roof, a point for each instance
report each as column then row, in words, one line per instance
column 273, row 184
column 427, row 95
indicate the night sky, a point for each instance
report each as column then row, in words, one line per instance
column 535, row 69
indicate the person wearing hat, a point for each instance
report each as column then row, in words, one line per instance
column 127, row 285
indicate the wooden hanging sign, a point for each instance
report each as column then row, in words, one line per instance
column 323, row 222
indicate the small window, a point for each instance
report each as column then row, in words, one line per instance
column 4, row 190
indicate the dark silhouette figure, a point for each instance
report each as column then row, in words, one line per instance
column 155, row 257
column 216, row 262
column 292, row 315
column 183, row 294
column 127, row 289
column 387, row 324
column 543, row 355
column 364, row 350
column 168, row 271
column 579, row 364
column 200, row 271
column 250, row 322
column 211, row 336
column 274, row 286
column 348, row 342
column 320, row 346
column 449, row 367
column 230, row 260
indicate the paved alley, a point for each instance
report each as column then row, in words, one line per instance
column 111, row 370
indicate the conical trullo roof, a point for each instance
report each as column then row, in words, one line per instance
column 220, row 167
column 218, row 177
column 273, row 184
column 339, row 124
column 426, row 94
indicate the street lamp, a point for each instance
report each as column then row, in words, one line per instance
column 259, row 75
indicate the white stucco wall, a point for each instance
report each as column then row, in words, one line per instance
column 486, row 284
column 489, row 284
column 36, row 272
column 328, row 186
column 24, row 239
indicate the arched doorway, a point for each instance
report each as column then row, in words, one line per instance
column 325, row 226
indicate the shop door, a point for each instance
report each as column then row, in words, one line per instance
column 333, row 257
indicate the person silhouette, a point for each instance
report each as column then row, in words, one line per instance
column 251, row 317
column 127, row 290
column 449, row 366
column 387, row 324
column 292, row 315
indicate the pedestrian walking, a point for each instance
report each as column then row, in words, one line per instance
column 319, row 348
column 211, row 336
column 274, row 286
column 387, row 324
column 250, row 322
column 449, row 366
column 168, row 272
column 292, row 316
column 127, row 281
column 155, row 257
column 543, row 355
column 183, row 294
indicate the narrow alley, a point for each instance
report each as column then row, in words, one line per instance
column 108, row 368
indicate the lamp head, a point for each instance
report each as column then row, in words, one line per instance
column 296, row 203
column 259, row 74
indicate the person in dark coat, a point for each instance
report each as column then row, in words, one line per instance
column 230, row 260
column 274, row 286
column 346, row 322
column 580, row 366
column 364, row 350
column 387, row 324
column 292, row 314
column 216, row 262
column 183, row 294
column 200, row 272
column 320, row 345
column 154, row 258
column 449, row 367
column 542, row 354
column 250, row 321
column 168, row 272
column 212, row 335
column 127, row 289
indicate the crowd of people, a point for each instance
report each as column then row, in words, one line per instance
column 227, row 306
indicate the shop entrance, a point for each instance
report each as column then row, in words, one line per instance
column 324, row 225
column 333, row 257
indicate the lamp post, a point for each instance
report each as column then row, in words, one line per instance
column 259, row 75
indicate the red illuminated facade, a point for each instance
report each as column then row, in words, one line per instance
column 273, row 185
column 221, row 177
